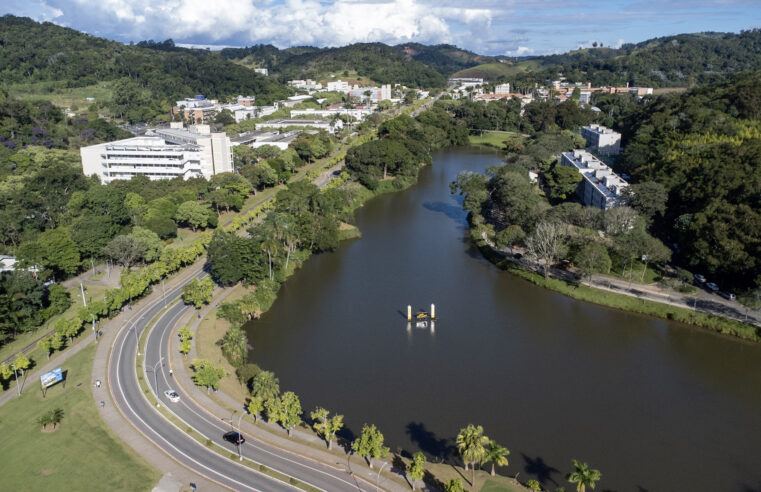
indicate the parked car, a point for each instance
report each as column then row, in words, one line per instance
column 728, row 295
column 700, row 278
column 234, row 437
column 712, row 287
column 172, row 395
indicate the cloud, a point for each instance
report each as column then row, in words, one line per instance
column 526, row 26
column 520, row 51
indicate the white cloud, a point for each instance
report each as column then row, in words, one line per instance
column 292, row 22
column 520, row 51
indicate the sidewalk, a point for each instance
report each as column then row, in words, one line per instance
column 275, row 435
column 113, row 417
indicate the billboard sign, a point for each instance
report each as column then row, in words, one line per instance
column 51, row 378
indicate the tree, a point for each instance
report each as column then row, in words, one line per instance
column 206, row 374
column 192, row 213
column 509, row 236
column 69, row 328
column 583, row 476
column 534, row 485
column 235, row 346
column 224, row 117
column 496, row 455
column 124, row 250
column 648, row 198
column 563, row 181
column 370, row 444
column 291, row 411
column 593, row 258
column 325, row 425
column 255, row 406
column 44, row 420
column 546, row 245
column 454, row 485
column 56, row 415
column 470, row 445
column 51, row 343
column 416, row 468
column 274, row 409
column 21, row 363
column 150, row 243
column 185, row 347
column 198, row 292
column 265, row 386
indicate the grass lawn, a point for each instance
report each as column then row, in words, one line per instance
column 491, row 139
column 61, row 96
column 635, row 274
column 484, row 481
column 205, row 341
column 82, row 454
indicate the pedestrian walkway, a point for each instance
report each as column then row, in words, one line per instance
column 271, row 434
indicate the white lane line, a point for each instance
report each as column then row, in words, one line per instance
column 214, row 422
column 132, row 410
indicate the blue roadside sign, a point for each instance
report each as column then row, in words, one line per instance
column 52, row 377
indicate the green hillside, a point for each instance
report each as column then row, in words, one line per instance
column 145, row 79
column 684, row 60
column 373, row 62
column 444, row 58
column 499, row 70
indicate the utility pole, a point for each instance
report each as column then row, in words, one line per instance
column 82, row 289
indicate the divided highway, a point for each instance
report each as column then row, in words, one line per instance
column 129, row 398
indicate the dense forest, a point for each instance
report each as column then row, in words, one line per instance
column 684, row 60
column 376, row 61
column 704, row 147
column 149, row 77
column 444, row 58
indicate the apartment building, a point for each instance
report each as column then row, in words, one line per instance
column 600, row 186
column 602, row 139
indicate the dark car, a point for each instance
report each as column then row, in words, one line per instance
column 234, row 437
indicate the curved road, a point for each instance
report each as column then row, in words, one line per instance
column 129, row 398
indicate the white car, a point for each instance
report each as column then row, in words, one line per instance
column 172, row 395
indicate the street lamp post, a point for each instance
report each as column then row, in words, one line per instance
column 155, row 376
column 377, row 481
column 237, row 438
column 240, row 454
column 18, row 388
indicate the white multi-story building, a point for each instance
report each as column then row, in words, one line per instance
column 602, row 139
column 262, row 71
column 259, row 138
column 502, row 89
column 328, row 125
column 338, row 86
column 308, row 84
column 358, row 113
column 601, row 187
column 164, row 153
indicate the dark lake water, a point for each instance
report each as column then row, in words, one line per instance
column 656, row 406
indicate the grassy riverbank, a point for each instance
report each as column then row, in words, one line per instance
column 83, row 453
column 619, row 301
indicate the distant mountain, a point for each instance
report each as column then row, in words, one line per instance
column 673, row 61
column 375, row 62
column 147, row 77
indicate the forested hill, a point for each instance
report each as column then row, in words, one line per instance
column 444, row 58
column 375, row 61
column 704, row 146
column 149, row 73
column 684, row 60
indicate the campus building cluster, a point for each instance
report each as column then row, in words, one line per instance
column 601, row 139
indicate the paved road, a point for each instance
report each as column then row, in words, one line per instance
column 128, row 396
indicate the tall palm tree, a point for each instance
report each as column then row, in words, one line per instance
column 470, row 444
column 235, row 345
column 496, row 455
column 584, row 477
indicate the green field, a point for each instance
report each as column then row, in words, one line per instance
column 65, row 97
column 82, row 454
